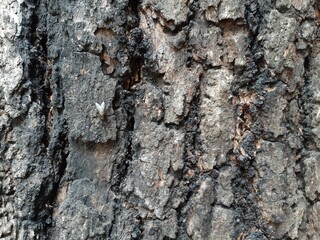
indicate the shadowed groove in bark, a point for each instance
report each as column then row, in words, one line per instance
column 37, row 70
column 135, row 46
column 305, row 96
column 246, row 102
column 191, row 125
column 192, row 151
column 124, row 100
column 125, row 95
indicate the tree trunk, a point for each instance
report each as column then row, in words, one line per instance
column 174, row 119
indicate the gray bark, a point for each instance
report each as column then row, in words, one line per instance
column 185, row 119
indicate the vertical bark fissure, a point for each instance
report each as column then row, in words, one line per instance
column 35, row 69
column 49, row 94
column 192, row 151
column 247, row 95
column 125, row 98
column 306, row 96
column 191, row 126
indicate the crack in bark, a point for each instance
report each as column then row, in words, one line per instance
column 247, row 99
column 308, row 144
column 124, row 100
column 49, row 94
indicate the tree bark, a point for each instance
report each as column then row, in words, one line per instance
column 185, row 119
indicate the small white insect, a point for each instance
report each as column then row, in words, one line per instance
column 101, row 109
column 318, row 114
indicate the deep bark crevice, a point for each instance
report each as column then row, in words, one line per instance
column 247, row 94
column 308, row 144
column 38, row 70
column 35, row 69
column 125, row 95
column 124, row 101
column 304, row 97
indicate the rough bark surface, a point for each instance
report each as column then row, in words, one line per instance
column 184, row 119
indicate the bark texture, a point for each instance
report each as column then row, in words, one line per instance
column 173, row 119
